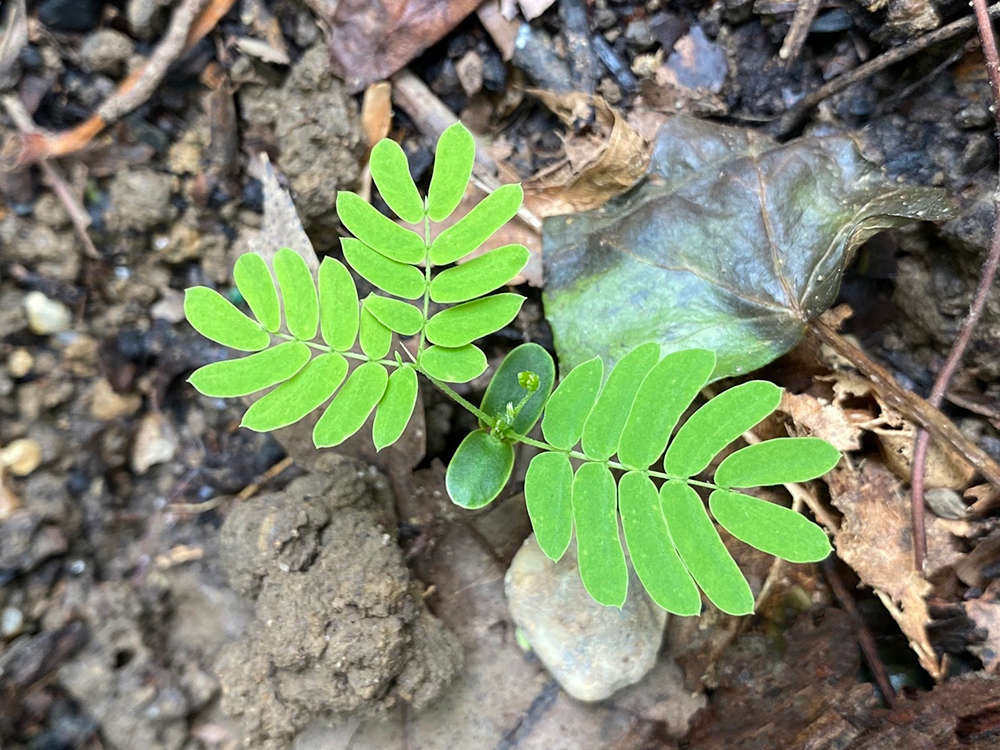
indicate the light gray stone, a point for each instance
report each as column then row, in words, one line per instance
column 106, row 51
column 591, row 650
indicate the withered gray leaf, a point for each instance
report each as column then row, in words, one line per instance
column 732, row 242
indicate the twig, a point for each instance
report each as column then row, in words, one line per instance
column 910, row 404
column 864, row 635
column 805, row 12
column 192, row 20
column 432, row 117
column 790, row 120
column 78, row 217
column 245, row 494
column 986, row 277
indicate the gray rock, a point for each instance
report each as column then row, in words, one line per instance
column 144, row 17
column 106, row 51
column 140, row 200
column 591, row 650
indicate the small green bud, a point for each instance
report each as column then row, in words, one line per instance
column 528, row 380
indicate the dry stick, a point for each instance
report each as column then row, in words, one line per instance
column 798, row 30
column 910, row 404
column 192, row 20
column 77, row 215
column 986, row 276
column 788, row 121
column 864, row 635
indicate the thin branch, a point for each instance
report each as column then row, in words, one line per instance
column 910, row 404
column 986, row 277
column 790, row 120
column 192, row 20
column 864, row 635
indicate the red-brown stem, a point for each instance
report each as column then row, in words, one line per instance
column 986, row 277
column 864, row 635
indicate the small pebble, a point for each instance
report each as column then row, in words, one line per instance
column 21, row 457
column 592, row 651
column 20, row 363
column 11, row 623
column 106, row 51
column 46, row 315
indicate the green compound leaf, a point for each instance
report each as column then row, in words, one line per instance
column 463, row 324
column 599, row 548
column 604, row 426
column 255, row 372
column 253, row 279
column 477, row 226
column 456, row 153
column 292, row 400
column 348, row 411
column 398, row 316
column 479, row 470
column 458, row 365
column 548, row 494
column 504, row 388
column 375, row 338
column 395, row 408
column 570, row 404
column 391, row 173
column 665, row 393
column 480, row 275
column 215, row 318
column 700, row 547
column 777, row 461
column 298, row 294
column 338, row 301
column 377, row 231
column 718, row 423
column 388, row 275
column 653, row 556
column 769, row 527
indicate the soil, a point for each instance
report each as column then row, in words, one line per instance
column 168, row 580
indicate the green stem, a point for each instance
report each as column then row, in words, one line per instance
column 427, row 277
column 326, row 350
column 610, row 464
column 460, row 400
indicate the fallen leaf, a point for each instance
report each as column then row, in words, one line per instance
column 822, row 419
column 600, row 164
column 875, row 540
column 372, row 39
column 943, row 468
column 985, row 498
column 731, row 242
column 985, row 612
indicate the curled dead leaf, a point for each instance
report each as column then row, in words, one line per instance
column 875, row 540
column 601, row 163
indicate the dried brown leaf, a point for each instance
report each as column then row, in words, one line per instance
column 823, row 419
column 372, row 39
column 985, row 612
column 599, row 164
column 876, row 541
